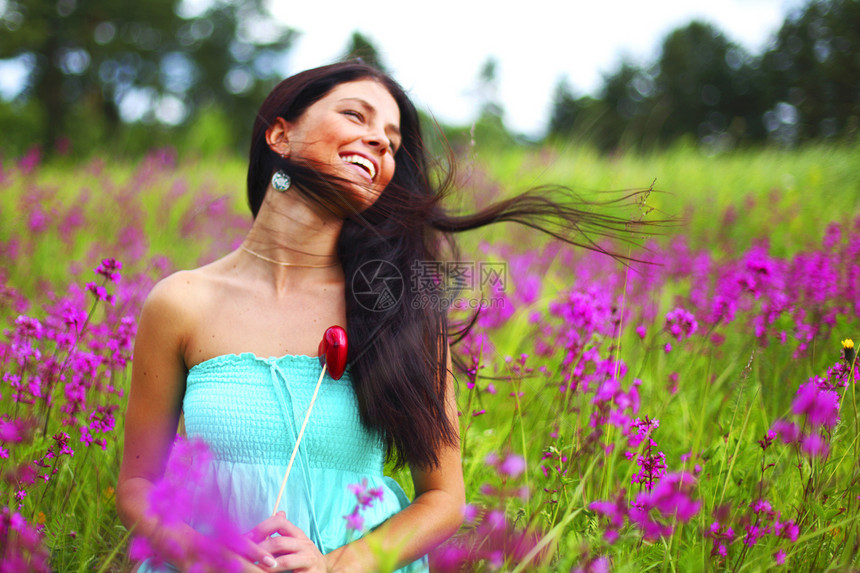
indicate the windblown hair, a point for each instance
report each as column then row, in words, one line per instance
column 398, row 355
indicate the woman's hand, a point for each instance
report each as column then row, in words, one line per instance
column 292, row 549
column 258, row 551
column 188, row 550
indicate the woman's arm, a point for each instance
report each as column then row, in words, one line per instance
column 154, row 405
column 434, row 515
column 154, row 402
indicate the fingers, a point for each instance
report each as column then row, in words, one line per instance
column 291, row 547
column 287, row 528
column 252, row 552
column 297, row 556
column 220, row 560
column 279, row 524
column 251, row 557
column 282, row 544
column 303, row 563
column 267, row 527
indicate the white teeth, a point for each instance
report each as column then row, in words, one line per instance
column 363, row 161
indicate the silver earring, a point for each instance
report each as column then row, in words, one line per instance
column 281, row 181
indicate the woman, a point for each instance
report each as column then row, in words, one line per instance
column 338, row 132
column 337, row 180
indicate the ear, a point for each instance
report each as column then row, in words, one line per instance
column 277, row 137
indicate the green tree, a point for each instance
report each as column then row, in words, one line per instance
column 489, row 131
column 566, row 109
column 806, row 85
column 99, row 60
column 813, row 72
column 702, row 86
column 706, row 85
column 628, row 98
column 360, row 46
column 582, row 119
column 488, row 90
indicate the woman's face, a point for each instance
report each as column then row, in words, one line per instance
column 352, row 132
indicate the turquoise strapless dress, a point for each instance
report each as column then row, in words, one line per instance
column 249, row 411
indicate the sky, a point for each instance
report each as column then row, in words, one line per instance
column 437, row 49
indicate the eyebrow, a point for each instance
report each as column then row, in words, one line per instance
column 364, row 103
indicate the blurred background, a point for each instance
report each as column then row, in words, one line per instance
column 80, row 77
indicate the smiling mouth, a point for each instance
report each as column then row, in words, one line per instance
column 362, row 162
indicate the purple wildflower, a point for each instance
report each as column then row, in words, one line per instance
column 767, row 440
column 109, row 269
column 101, row 294
column 30, row 160
column 365, row 498
column 821, row 407
column 672, row 497
column 14, row 431
column 722, row 537
column 652, row 468
column 615, row 511
column 787, row 431
column 185, row 494
column 814, row 445
column 364, row 495
column 512, row 466
column 354, row 520
column 23, row 549
column 681, row 323
column 779, row 557
column 786, row 529
column 470, row 512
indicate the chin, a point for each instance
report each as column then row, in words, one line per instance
column 363, row 204
column 363, row 197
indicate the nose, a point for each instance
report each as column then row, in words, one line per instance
column 378, row 141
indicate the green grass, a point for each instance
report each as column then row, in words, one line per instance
column 728, row 395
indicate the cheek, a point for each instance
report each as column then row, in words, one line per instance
column 388, row 173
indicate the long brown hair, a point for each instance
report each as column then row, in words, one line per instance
column 398, row 352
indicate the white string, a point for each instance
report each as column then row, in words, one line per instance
column 298, row 441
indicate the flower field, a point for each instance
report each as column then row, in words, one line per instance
column 693, row 408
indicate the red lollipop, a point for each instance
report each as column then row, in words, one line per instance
column 332, row 351
column 332, row 355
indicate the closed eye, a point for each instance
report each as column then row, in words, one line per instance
column 356, row 114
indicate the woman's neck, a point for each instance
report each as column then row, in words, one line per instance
column 290, row 232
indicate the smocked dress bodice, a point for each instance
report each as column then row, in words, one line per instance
column 249, row 411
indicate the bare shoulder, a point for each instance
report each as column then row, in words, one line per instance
column 175, row 305
column 177, row 295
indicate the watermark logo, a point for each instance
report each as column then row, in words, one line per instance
column 377, row 285
column 494, row 275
